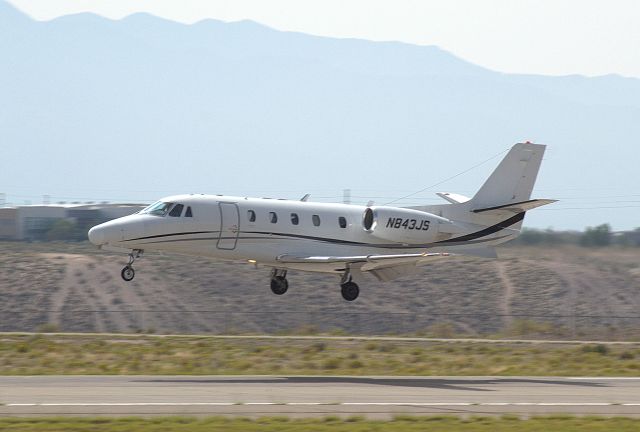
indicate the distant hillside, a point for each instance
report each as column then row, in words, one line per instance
column 564, row 291
column 144, row 107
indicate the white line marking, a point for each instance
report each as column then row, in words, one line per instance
column 425, row 404
column 605, row 378
column 575, row 404
column 407, row 403
column 90, row 404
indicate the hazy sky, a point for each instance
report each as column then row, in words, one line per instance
column 555, row 37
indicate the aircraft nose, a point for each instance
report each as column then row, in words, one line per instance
column 96, row 235
column 115, row 231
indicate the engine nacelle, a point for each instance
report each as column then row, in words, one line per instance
column 402, row 225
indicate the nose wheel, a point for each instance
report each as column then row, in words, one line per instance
column 128, row 273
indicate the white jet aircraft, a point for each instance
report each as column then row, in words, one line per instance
column 348, row 240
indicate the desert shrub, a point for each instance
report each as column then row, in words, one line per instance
column 600, row 349
column 596, row 236
column 48, row 328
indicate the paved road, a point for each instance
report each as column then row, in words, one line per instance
column 376, row 397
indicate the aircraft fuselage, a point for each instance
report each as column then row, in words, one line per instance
column 262, row 230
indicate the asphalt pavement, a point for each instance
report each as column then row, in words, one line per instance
column 304, row 396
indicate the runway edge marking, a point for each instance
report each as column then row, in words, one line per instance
column 425, row 404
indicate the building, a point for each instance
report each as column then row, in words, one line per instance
column 8, row 223
column 32, row 222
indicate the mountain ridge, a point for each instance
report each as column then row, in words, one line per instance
column 145, row 94
column 7, row 6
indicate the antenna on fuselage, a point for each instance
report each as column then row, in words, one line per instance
column 305, row 197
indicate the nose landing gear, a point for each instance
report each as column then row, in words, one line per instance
column 128, row 273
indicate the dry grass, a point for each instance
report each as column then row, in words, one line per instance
column 55, row 354
column 334, row 424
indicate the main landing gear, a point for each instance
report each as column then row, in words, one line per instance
column 279, row 283
column 348, row 288
column 128, row 273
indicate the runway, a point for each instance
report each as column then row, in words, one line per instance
column 304, row 396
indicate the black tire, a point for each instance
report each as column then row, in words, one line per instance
column 350, row 291
column 279, row 285
column 128, row 273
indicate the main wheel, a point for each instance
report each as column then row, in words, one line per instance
column 128, row 273
column 279, row 285
column 350, row 291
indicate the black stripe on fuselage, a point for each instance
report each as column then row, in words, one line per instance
column 487, row 231
column 325, row 240
column 171, row 235
column 307, row 237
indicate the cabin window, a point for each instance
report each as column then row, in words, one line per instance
column 316, row 220
column 342, row 221
column 295, row 219
column 188, row 212
column 158, row 208
column 273, row 217
column 251, row 215
column 176, row 211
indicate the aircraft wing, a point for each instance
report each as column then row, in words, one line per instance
column 383, row 267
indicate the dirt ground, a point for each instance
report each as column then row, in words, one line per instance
column 562, row 291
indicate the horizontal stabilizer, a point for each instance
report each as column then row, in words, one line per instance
column 453, row 198
column 518, row 207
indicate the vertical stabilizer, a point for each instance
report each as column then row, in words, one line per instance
column 512, row 181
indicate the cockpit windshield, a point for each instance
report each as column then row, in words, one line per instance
column 158, row 208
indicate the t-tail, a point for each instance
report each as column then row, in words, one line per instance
column 505, row 196
column 496, row 212
column 509, row 186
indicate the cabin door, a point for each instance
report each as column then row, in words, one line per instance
column 229, row 225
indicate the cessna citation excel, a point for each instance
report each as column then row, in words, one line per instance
column 348, row 240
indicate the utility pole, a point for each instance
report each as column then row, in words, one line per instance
column 346, row 196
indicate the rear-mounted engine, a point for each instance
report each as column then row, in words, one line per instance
column 401, row 225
